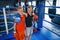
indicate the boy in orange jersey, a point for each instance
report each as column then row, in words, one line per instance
column 19, row 27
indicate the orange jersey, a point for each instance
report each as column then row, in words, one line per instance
column 20, row 28
column 21, row 25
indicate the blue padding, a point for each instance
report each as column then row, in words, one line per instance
column 52, row 6
column 51, row 25
column 53, row 15
column 38, row 36
column 17, row 18
column 40, row 11
column 1, row 37
column 13, row 39
column 9, row 36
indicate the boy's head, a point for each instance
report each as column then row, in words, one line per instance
column 20, row 9
column 29, row 9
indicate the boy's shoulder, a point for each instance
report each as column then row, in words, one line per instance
column 25, row 14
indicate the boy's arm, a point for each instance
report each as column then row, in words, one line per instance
column 25, row 14
column 35, row 16
column 14, row 27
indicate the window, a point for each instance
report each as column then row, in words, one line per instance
column 34, row 4
column 48, row 3
column 58, row 9
column 29, row 3
column 22, row 4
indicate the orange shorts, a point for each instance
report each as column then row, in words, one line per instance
column 20, row 34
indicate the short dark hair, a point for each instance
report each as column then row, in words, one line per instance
column 29, row 6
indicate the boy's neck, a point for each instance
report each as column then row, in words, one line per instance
column 30, row 14
column 21, row 13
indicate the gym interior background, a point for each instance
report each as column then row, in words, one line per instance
column 48, row 12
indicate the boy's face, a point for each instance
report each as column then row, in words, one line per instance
column 20, row 10
column 29, row 9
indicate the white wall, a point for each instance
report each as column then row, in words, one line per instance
column 58, row 9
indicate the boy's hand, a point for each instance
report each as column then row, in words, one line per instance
column 14, row 31
column 35, row 16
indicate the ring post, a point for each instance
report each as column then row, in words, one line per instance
column 40, row 12
column 5, row 19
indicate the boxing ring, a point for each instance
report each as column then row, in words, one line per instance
column 48, row 29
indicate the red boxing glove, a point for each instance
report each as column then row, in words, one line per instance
column 34, row 30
